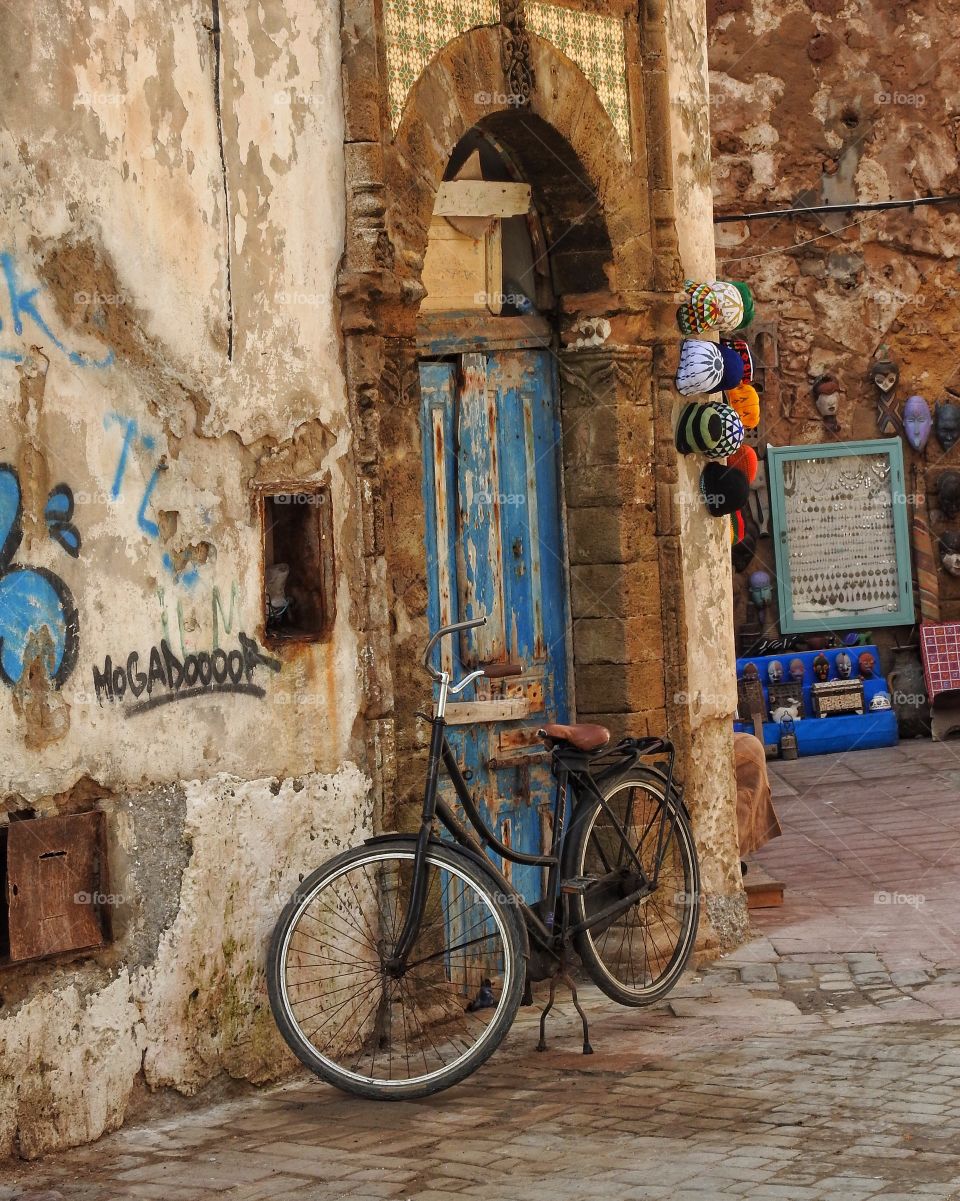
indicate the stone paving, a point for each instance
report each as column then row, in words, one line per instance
column 820, row 1061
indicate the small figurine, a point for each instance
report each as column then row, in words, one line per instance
column 788, row 711
column 917, row 422
column 821, row 668
column 885, row 375
column 775, row 671
column 761, row 593
column 826, row 396
column 950, row 552
column 866, row 665
column 844, row 665
column 796, row 671
column 947, row 423
column 880, row 701
column 948, row 493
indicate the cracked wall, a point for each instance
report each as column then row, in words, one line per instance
column 171, row 213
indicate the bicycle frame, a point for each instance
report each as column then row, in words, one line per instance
column 570, row 768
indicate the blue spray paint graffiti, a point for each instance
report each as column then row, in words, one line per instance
column 23, row 304
column 133, row 438
column 33, row 599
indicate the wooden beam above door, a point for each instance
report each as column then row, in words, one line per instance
column 481, row 198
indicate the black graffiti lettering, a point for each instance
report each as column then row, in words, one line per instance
column 252, row 657
column 119, row 682
column 101, row 680
column 173, row 666
column 218, row 665
column 135, row 678
column 157, row 673
column 168, row 678
column 204, row 670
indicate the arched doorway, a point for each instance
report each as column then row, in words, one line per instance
column 604, row 197
column 491, row 437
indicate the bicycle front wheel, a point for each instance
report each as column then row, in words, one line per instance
column 637, row 956
column 396, row 1037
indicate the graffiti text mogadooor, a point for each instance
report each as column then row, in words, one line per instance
column 165, row 678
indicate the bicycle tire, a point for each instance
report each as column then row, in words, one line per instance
column 390, row 856
column 583, row 851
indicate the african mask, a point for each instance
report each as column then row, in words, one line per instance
column 796, row 671
column 885, row 375
column 948, row 493
column 821, row 667
column 917, row 422
column 844, row 665
column 947, row 423
column 761, row 591
column 775, row 671
column 751, row 672
column 865, row 665
column 826, row 396
column 950, row 553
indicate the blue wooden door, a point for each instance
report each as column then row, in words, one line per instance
column 495, row 548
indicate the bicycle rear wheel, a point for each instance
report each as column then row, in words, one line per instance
column 376, row 1035
column 638, row 956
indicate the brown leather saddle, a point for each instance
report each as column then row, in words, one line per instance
column 582, row 737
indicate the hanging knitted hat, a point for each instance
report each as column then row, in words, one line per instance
column 732, row 369
column 732, row 434
column 724, row 489
column 748, row 307
column 702, row 311
column 701, row 367
column 699, row 429
column 746, row 401
column 743, row 350
column 731, row 304
column 736, row 528
column 745, row 460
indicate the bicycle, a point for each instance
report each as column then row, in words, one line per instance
column 397, row 968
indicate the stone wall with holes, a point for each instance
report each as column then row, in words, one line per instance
column 833, row 102
column 171, row 221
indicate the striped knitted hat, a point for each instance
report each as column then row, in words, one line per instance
column 731, row 304
column 736, row 528
column 701, row 367
column 746, row 401
column 731, row 436
column 702, row 311
column 699, row 429
column 743, row 350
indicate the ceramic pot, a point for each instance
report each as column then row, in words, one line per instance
column 908, row 691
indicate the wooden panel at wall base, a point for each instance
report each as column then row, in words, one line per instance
column 54, row 873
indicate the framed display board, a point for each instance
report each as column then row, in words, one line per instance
column 841, row 535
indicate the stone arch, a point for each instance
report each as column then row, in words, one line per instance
column 564, row 139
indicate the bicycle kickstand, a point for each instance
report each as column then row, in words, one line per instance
column 564, row 975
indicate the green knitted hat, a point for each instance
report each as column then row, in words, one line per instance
column 699, row 429
column 749, row 311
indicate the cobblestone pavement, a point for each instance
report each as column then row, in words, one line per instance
column 820, row 1061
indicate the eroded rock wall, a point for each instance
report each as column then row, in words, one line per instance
column 833, row 102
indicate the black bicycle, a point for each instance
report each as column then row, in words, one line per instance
column 396, row 969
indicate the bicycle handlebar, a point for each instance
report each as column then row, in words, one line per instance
column 442, row 632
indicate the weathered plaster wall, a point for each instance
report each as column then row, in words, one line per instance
column 710, row 696
column 828, row 102
column 171, row 220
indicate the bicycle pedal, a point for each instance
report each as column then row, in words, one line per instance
column 577, row 885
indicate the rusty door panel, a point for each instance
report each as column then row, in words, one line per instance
column 491, row 425
column 54, row 873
